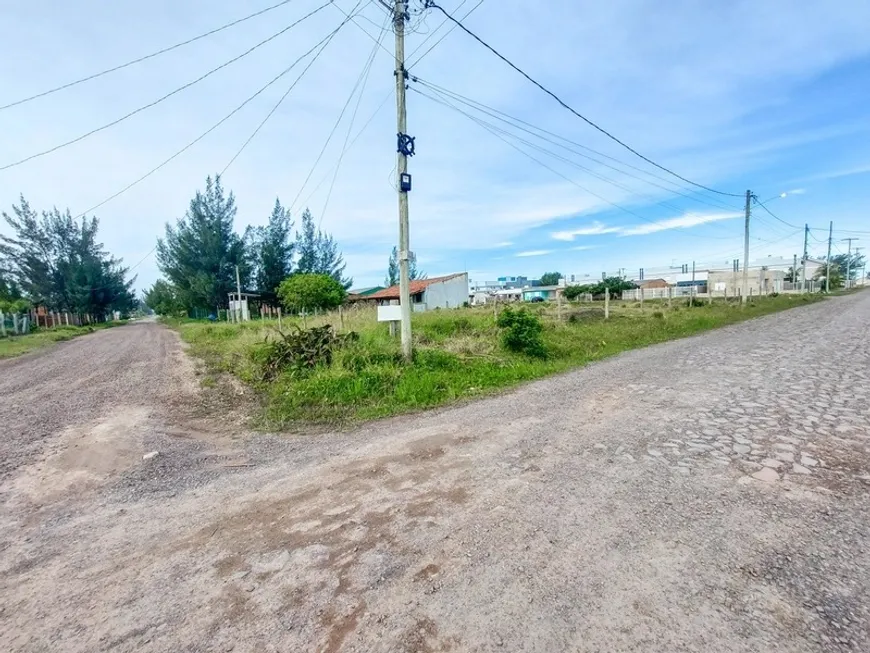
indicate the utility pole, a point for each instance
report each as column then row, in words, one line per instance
column 745, row 293
column 794, row 272
column 828, row 270
column 864, row 268
column 405, row 149
column 238, row 296
column 849, row 262
column 806, row 242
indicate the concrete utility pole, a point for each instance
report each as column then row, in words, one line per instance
column 794, row 271
column 238, row 296
column 405, row 149
column 745, row 294
column 806, row 241
column 864, row 267
column 828, row 270
column 849, row 261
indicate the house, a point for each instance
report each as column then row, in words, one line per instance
column 761, row 281
column 648, row 284
column 427, row 294
column 546, row 293
column 362, row 295
column 508, row 295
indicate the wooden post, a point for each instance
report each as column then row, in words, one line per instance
column 640, row 292
column 341, row 318
column 670, row 295
column 279, row 318
column 607, row 304
column 2, row 325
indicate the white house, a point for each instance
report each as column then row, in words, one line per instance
column 427, row 294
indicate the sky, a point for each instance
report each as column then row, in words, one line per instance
column 769, row 95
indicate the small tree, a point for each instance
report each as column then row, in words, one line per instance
column 836, row 276
column 162, row 298
column 522, row 332
column 306, row 292
column 550, row 278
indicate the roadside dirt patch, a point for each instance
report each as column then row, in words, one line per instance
column 83, row 458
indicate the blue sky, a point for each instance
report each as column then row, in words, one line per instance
column 770, row 95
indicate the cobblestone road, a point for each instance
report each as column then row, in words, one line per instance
column 704, row 495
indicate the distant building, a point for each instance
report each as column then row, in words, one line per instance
column 450, row 291
column 547, row 293
column 362, row 295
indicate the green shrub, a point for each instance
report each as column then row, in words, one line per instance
column 658, row 315
column 522, row 332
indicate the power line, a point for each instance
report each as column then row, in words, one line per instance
column 776, row 217
column 349, row 147
column 146, row 57
column 275, row 107
column 445, row 35
column 326, row 39
column 495, row 132
column 363, row 73
column 512, row 120
column 368, row 71
column 430, row 3
column 167, row 96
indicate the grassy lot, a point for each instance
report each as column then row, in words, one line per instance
column 12, row 346
column 458, row 354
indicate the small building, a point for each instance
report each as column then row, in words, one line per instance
column 508, row 295
column 648, row 284
column 761, row 281
column 450, row 291
column 362, row 295
column 546, row 293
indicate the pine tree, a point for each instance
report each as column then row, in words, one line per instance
column 57, row 262
column 392, row 277
column 199, row 255
column 318, row 252
column 271, row 250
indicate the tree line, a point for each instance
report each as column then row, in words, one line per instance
column 53, row 260
column 199, row 254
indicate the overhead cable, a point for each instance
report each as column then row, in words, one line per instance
column 146, row 57
column 430, row 3
column 167, row 96
column 323, row 41
column 495, row 132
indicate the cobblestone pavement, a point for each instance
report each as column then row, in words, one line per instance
column 704, row 495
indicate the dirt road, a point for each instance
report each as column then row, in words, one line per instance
column 710, row 494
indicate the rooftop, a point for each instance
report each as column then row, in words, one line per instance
column 417, row 286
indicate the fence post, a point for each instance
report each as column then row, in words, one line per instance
column 66, row 318
column 341, row 317
column 2, row 324
column 279, row 318
column 640, row 292
column 607, row 304
column 710, row 293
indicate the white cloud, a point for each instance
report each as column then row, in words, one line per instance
column 796, row 191
column 595, row 229
column 535, row 252
column 683, row 222
column 582, row 248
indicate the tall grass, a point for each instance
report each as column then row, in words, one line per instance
column 457, row 354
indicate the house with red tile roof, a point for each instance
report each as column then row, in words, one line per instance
column 450, row 291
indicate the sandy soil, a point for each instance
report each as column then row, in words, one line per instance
column 705, row 495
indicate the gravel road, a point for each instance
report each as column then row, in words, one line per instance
column 709, row 494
